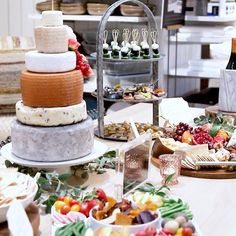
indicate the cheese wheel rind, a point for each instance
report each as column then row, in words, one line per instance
column 52, row 90
column 51, row 39
column 52, row 144
column 50, row 63
column 52, row 18
column 51, row 116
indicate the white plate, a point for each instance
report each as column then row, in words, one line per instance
column 98, row 150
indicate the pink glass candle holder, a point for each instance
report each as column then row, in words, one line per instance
column 170, row 164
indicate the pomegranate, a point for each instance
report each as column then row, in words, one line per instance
column 202, row 138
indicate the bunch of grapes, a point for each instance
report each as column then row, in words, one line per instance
column 180, row 129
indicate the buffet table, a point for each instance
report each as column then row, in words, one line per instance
column 212, row 201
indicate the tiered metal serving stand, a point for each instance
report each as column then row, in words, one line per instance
column 152, row 25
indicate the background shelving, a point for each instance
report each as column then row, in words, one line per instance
column 210, row 19
column 90, row 18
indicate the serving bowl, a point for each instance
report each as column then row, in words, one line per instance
column 97, row 225
column 96, row 9
column 160, row 148
column 131, row 10
column 12, row 180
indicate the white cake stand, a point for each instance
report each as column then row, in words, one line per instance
column 98, row 150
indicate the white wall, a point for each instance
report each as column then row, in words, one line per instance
column 14, row 17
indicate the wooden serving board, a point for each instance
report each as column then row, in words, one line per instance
column 32, row 212
column 204, row 173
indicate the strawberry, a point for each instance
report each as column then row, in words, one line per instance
column 101, row 195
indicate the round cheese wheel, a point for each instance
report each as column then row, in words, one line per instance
column 52, row 90
column 53, row 116
column 51, row 39
column 52, row 18
column 53, row 144
column 50, row 63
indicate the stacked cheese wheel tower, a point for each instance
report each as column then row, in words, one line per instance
column 52, row 122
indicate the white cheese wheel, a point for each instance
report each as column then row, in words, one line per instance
column 50, row 63
column 51, row 116
column 52, row 18
column 53, row 144
column 51, row 39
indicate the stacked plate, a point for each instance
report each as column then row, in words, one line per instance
column 96, row 8
column 46, row 6
column 131, row 10
column 73, row 8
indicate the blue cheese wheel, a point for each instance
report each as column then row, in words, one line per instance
column 52, row 144
column 54, row 116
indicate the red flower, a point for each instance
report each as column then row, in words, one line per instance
column 73, row 44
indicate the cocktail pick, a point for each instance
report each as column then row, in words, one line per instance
column 135, row 36
column 153, row 35
column 144, row 36
column 114, row 44
column 115, row 34
column 105, row 45
column 105, row 35
column 155, row 46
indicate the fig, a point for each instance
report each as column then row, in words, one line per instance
column 145, row 217
column 189, row 225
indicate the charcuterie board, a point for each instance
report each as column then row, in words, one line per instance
column 204, row 173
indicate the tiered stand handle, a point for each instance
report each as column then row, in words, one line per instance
column 101, row 27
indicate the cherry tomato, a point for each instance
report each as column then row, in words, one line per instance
column 75, row 207
column 67, row 200
column 84, row 209
column 59, row 204
column 187, row 232
column 73, row 202
column 101, row 195
column 65, row 209
column 61, row 198
column 92, row 203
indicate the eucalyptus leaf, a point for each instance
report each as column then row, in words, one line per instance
column 64, row 177
column 168, row 179
column 162, row 194
column 8, row 164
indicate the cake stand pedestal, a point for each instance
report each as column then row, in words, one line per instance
column 98, row 150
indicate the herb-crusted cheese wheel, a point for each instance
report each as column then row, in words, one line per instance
column 51, row 116
column 51, row 39
column 53, row 144
column 52, row 90
column 50, row 63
